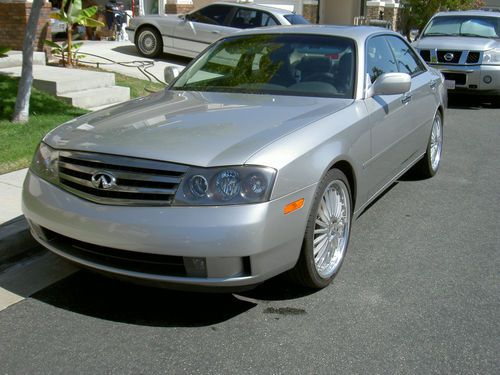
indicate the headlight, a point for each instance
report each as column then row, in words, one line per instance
column 227, row 185
column 492, row 57
column 45, row 163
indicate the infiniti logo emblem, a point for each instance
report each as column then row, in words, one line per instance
column 449, row 56
column 103, row 180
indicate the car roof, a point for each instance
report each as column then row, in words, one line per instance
column 279, row 11
column 481, row 13
column 358, row 33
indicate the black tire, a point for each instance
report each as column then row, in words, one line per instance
column 149, row 42
column 428, row 166
column 306, row 271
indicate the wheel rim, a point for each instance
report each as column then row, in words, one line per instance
column 147, row 42
column 436, row 143
column 331, row 230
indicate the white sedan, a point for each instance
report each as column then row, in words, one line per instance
column 189, row 34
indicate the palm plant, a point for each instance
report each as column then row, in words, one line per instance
column 75, row 15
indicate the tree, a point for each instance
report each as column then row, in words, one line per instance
column 418, row 12
column 74, row 15
column 21, row 110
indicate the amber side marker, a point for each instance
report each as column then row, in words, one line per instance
column 294, row 206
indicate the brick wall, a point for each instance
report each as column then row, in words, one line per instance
column 13, row 24
column 178, row 8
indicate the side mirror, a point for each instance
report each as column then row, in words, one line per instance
column 413, row 35
column 390, row 84
column 170, row 73
column 182, row 17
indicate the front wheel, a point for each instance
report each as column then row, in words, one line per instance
column 327, row 232
column 149, row 42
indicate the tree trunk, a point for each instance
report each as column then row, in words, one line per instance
column 21, row 110
column 70, row 42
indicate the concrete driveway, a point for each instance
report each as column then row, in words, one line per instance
column 122, row 57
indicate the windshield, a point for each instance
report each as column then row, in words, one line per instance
column 305, row 65
column 473, row 26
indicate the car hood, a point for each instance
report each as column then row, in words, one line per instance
column 195, row 128
column 456, row 43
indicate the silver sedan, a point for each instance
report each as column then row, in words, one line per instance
column 253, row 162
column 188, row 35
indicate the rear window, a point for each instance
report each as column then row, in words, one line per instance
column 295, row 19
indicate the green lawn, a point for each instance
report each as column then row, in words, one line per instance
column 18, row 142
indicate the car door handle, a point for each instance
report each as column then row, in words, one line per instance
column 406, row 99
column 433, row 85
column 215, row 32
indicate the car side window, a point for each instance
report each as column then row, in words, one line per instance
column 406, row 59
column 212, row 14
column 250, row 18
column 379, row 58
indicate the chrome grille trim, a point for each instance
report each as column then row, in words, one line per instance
column 139, row 182
column 436, row 56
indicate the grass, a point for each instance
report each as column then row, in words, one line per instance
column 18, row 142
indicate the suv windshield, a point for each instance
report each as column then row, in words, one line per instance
column 474, row 26
column 305, row 65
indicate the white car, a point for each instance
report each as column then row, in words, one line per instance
column 189, row 34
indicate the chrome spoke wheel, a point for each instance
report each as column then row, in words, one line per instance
column 331, row 231
column 436, row 143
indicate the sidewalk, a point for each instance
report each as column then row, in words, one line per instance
column 10, row 194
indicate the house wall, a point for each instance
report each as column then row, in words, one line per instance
column 13, row 23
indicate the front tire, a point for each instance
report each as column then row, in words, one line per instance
column 149, row 42
column 327, row 232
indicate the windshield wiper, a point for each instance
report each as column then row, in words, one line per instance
column 437, row 34
column 474, row 35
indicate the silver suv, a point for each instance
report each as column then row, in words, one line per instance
column 465, row 47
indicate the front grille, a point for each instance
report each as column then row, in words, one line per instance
column 426, row 55
column 473, row 57
column 459, row 78
column 133, row 261
column 455, row 59
column 137, row 182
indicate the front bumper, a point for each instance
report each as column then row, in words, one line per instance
column 130, row 33
column 239, row 245
column 472, row 78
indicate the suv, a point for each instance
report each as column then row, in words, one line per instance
column 465, row 47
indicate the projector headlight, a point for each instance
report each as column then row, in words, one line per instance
column 44, row 163
column 226, row 185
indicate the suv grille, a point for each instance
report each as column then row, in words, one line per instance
column 454, row 60
column 473, row 57
column 426, row 55
column 119, row 180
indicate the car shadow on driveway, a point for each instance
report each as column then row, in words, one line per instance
column 94, row 295
column 471, row 102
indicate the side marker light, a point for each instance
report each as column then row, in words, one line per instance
column 294, row 206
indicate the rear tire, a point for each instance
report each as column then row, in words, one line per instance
column 327, row 233
column 428, row 166
column 149, row 42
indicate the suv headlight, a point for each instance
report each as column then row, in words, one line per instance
column 44, row 163
column 226, row 185
column 492, row 57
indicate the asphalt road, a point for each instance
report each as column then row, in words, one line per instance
column 418, row 294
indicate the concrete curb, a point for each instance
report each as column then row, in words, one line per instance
column 16, row 242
